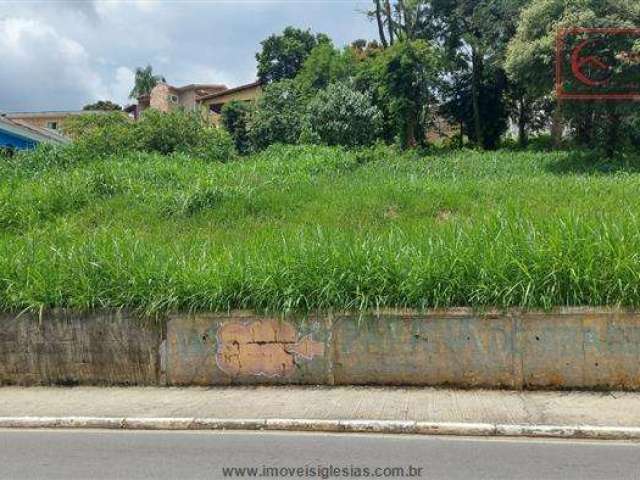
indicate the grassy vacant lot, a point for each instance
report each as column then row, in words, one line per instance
column 308, row 227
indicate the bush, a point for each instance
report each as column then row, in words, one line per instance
column 279, row 116
column 182, row 132
column 235, row 118
column 339, row 115
column 6, row 152
column 101, row 134
column 165, row 133
column 43, row 157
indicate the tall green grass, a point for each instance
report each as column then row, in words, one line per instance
column 300, row 228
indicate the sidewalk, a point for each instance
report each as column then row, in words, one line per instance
column 391, row 410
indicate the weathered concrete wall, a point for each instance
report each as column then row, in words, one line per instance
column 580, row 349
column 245, row 349
column 88, row 349
column 569, row 348
column 573, row 348
column 451, row 347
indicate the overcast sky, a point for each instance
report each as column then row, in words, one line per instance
column 63, row 54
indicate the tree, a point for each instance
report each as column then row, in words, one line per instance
column 401, row 20
column 339, row 115
column 103, row 105
column 531, row 60
column 474, row 34
column 279, row 115
column 459, row 106
column 528, row 113
column 235, row 118
column 145, row 80
column 282, row 56
column 402, row 81
column 324, row 65
column 410, row 72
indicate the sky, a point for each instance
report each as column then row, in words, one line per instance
column 64, row 54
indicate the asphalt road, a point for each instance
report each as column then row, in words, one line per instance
column 72, row 454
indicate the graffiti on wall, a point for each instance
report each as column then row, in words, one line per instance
column 263, row 347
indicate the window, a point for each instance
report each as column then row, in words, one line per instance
column 173, row 98
column 52, row 125
column 215, row 108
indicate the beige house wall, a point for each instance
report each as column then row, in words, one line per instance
column 41, row 121
column 246, row 95
column 187, row 100
column 159, row 97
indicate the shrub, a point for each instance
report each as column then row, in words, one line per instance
column 213, row 145
column 44, row 156
column 278, row 117
column 101, row 134
column 339, row 115
column 6, row 152
column 165, row 133
column 182, row 132
column 235, row 118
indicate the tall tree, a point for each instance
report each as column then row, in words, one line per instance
column 401, row 20
column 325, row 65
column 379, row 16
column 476, row 34
column 403, row 80
column 145, row 80
column 103, row 105
column 282, row 56
column 531, row 61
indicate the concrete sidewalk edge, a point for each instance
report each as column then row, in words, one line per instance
column 329, row 426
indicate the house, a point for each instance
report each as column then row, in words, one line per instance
column 53, row 121
column 19, row 136
column 204, row 97
column 214, row 102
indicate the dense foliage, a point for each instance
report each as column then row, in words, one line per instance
column 236, row 116
column 325, row 65
column 279, row 116
column 165, row 133
column 282, row 56
column 103, row 105
column 144, row 81
column 339, row 115
column 531, row 58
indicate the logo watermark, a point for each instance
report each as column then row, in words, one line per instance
column 598, row 64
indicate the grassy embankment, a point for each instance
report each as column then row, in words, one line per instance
column 302, row 228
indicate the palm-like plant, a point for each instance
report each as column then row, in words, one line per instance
column 145, row 81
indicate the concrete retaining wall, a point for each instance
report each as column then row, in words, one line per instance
column 572, row 348
column 78, row 349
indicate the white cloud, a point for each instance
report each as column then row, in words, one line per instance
column 63, row 54
column 38, row 61
column 200, row 74
column 120, row 88
column 108, row 6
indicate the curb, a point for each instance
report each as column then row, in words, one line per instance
column 333, row 426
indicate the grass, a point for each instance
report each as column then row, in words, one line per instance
column 302, row 228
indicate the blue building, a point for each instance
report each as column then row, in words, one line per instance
column 18, row 136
